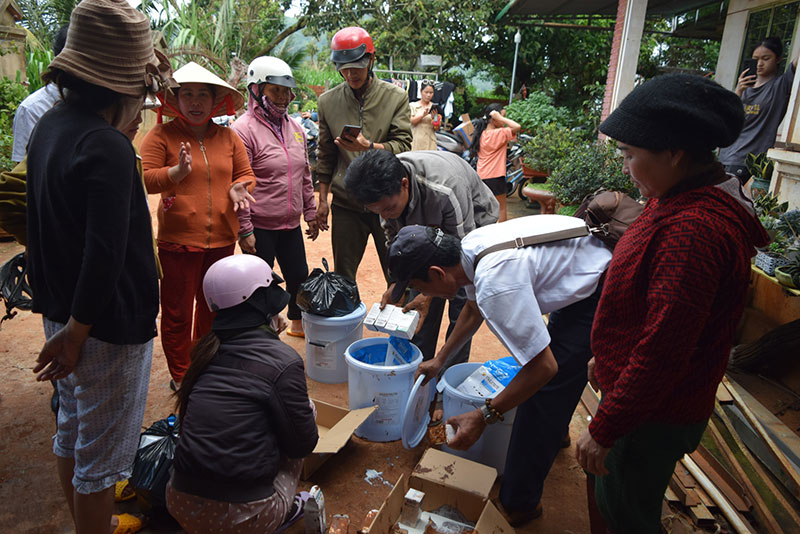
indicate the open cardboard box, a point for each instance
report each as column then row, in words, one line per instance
column 335, row 425
column 447, row 480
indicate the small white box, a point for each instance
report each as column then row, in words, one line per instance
column 369, row 320
column 406, row 323
column 412, row 507
column 383, row 317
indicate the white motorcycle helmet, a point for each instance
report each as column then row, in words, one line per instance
column 269, row 69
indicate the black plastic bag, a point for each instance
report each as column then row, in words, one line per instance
column 151, row 469
column 328, row 294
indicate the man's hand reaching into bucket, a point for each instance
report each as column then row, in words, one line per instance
column 430, row 369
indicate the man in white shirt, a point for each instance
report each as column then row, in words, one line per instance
column 511, row 288
column 35, row 105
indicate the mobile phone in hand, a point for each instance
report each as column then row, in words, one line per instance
column 751, row 66
column 350, row 131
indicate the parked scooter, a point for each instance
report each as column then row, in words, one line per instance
column 515, row 179
column 451, row 143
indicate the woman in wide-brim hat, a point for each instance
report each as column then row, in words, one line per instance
column 92, row 267
column 672, row 296
column 202, row 172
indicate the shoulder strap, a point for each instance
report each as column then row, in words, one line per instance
column 528, row 241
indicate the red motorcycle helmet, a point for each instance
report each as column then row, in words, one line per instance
column 350, row 45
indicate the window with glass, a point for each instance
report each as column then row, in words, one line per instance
column 777, row 21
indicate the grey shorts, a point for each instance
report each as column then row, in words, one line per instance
column 101, row 408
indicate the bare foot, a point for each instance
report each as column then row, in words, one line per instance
column 114, row 523
column 437, row 416
column 296, row 326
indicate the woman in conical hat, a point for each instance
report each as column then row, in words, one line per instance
column 203, row 174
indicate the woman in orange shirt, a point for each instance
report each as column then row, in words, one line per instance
column 492, row 133
column 202, row 172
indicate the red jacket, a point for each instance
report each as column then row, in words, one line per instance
column 198, row 211
column 672, row 298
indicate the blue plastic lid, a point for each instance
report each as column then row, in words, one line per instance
column 416, row 416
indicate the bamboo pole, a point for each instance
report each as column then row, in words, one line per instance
column 730, row 513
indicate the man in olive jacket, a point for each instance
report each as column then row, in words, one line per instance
column 381, row 110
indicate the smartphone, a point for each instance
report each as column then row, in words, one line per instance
column 751, row 65
column 350, row 131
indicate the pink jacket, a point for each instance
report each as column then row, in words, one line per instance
column 283, row 178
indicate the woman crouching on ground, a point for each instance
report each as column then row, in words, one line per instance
column 673, row 294
column 246, row 421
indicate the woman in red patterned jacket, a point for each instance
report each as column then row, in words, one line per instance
column 673, row 294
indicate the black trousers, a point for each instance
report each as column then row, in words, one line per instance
column 288, row 247
column 543, row 420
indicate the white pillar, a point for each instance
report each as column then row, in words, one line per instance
column 730, row 49
column 632, row 30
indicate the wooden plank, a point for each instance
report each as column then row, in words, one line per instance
column 701, row 516
column 739, row 524
column 590, row 399
column 705, row 499
column 670, row 496
column 762, row 510
column 683, row 475
column 786, row 466
column 723, row 395
column 723, row 480
column 687, row 496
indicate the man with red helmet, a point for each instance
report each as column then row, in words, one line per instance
column 379, row 113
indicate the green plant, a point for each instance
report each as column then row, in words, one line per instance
column 536, row 111
column 588, row 169
column 568, row 210
column 769, row 205
column 778, row 245
column 760, row 166
column 793, row 270
column 12, row 92
column 551, row 145
column 789, row 224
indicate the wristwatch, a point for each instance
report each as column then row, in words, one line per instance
column 490, row 415
column 371, row 145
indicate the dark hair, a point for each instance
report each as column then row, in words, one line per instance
column 60, row 39
column 771, row 43
column 480, row 126
column 374, row 175
column 423, row 85
column 202, row 353
column 77, row 92
column 447, row 254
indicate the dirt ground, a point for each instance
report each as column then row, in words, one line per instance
column 30, row 498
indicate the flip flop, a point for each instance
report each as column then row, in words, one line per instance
column 295, row 333
column 296, row 511
column 128, row 524
column 119, row 491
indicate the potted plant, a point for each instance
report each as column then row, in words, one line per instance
column 551, row 145
column 760, row 167
column 789, row 226
column 789, row 274
column 768, row 260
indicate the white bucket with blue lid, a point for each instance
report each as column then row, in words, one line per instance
column 371, row 382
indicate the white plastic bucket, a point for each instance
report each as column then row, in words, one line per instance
column 386, row 386
column 327, row 338
column 492, row 447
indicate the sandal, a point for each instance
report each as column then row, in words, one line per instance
column 128, row 524
column 295, row 333
column 123, row 491
column 296, row 511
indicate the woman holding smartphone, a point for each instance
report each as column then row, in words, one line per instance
column 765, row 95
column 424, row 119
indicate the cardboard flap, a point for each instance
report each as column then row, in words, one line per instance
column 338, row 435
column 492, row 522
column 390, row 509
column 455, row 473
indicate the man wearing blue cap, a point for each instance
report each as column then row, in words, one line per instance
column 512, row 287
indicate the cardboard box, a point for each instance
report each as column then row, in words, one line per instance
column 335, row 425
column 465, row 130
column 447, row 480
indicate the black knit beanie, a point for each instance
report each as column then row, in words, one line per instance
column 677, row 111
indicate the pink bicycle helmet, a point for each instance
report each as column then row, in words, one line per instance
column 232, row 280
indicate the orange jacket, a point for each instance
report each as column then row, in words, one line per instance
column 198, row 211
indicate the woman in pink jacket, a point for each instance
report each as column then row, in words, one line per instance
column 276, row 146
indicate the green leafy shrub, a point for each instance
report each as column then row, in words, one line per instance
column 587, row 169
column 11, row 94
column 536, row 111
column 551, row 145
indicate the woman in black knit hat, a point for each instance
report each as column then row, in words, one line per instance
column 672, row 297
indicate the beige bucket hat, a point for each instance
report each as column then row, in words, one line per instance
column 109, row 44
column 227, row 99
